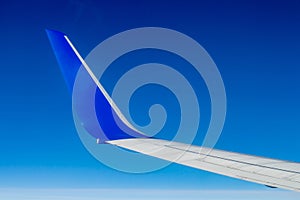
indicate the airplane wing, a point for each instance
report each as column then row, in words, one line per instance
column 269, row 172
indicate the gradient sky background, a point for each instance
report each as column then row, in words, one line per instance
column 255, row 45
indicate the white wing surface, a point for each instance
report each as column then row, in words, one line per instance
column 270, row 172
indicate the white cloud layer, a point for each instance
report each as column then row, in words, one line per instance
column 137, row 194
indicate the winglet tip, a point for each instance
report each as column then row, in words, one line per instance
column 51, row 32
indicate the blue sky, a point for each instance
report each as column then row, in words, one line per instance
column 255, row 45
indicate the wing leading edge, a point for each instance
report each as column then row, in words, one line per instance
column 270, row 172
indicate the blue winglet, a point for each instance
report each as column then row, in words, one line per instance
column 67, row 59
column 112, row 128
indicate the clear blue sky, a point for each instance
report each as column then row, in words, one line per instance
column 255, row 45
